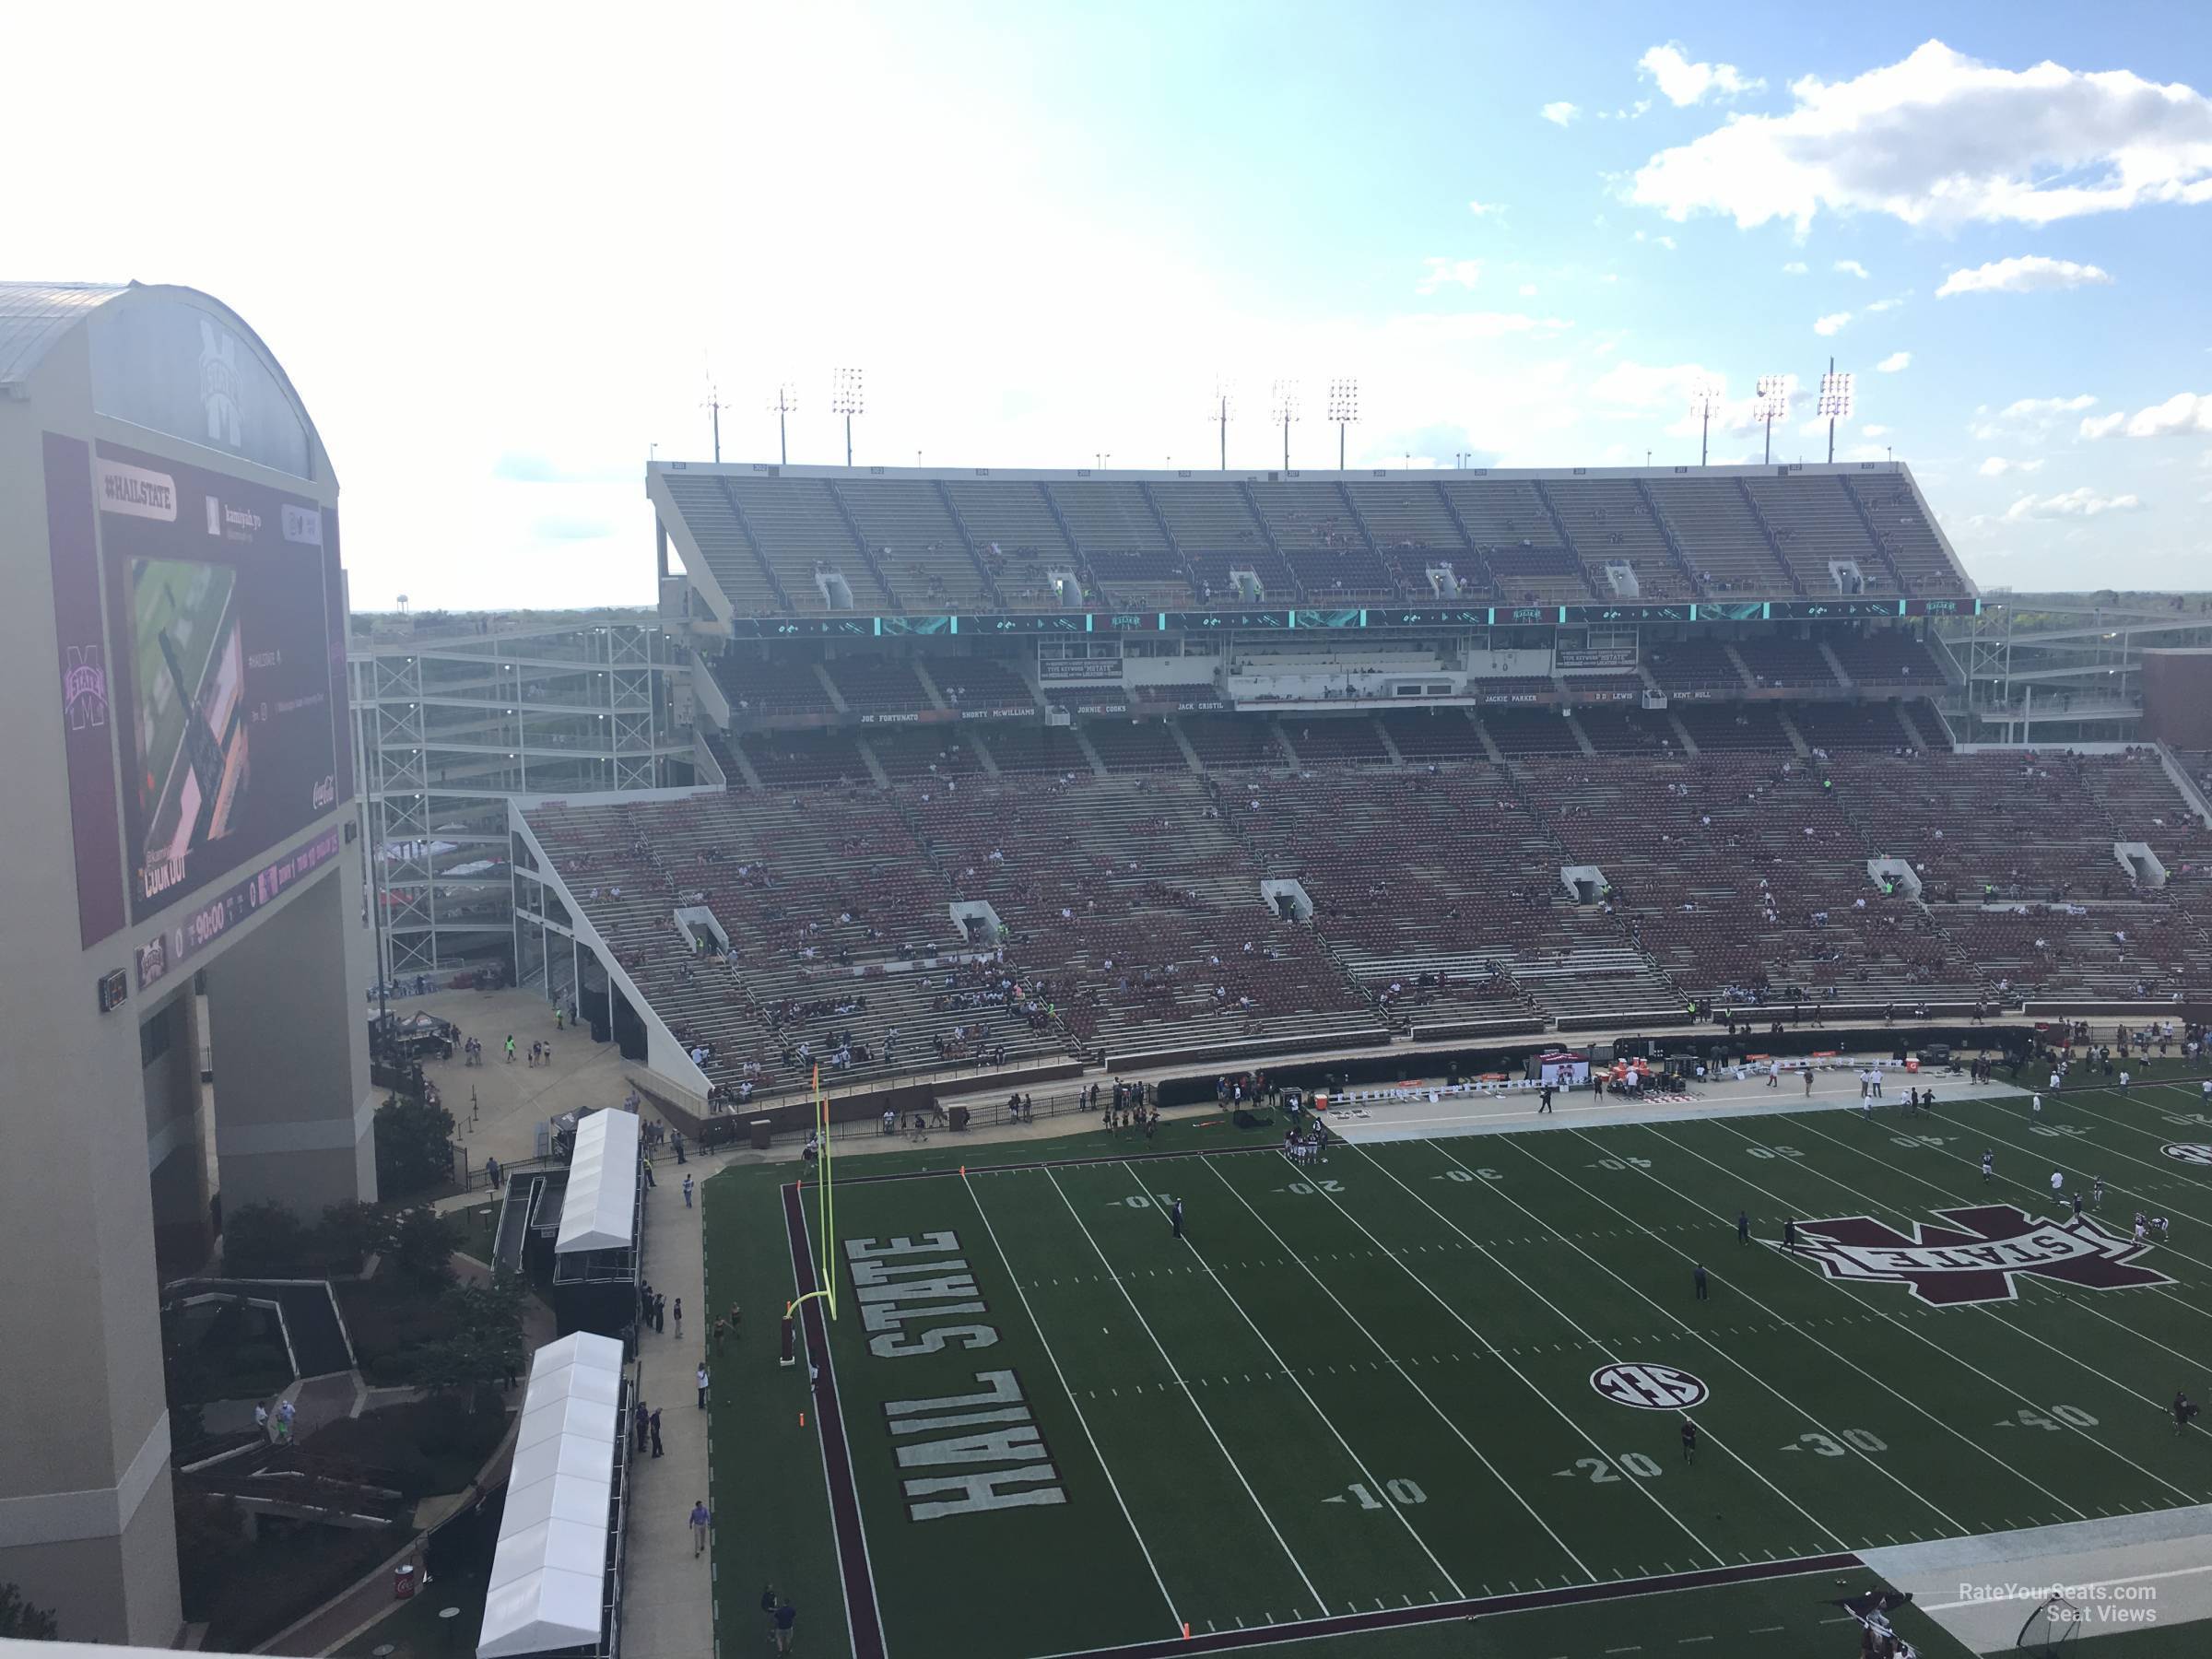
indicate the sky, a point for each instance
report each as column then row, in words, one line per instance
column 505, row 251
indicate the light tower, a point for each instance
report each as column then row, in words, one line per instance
column 1284, row 402
column 847, row 398
column 1836, row 401
column 1221, row 417
column 783, row 403
column 1344, row 409
column 715, row 406
column 1706, row 393
column 1772, row 405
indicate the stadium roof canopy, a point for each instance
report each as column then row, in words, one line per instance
column 548, row 1584
column 33, row 315
column 599, row 1211
column 168, row 358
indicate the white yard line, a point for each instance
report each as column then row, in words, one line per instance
column 1499, row 1354
column 1168, row 1360
column 2047, row 1154
column 2139, row 1578
column 1716, row 1346
column 1612, row 1356
column 1299, row 1258
column 1897, row 1324
column 2080, row 1303
column 1327, row 1422
column 1014, row 1277
column 1838, row 1354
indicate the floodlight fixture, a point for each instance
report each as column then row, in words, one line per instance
column 1707, row 393
column 715, row 406
column 1770, row 404
column 1344, row 409
column 1283, row 401
column 783, row 403
column 1221, row 415
column 848, row 397
column 1838, row 397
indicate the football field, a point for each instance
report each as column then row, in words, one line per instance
column 1364, row 1399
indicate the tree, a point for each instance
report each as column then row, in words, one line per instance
column 414, row 1146
column 352, row 1230
column 420, row 1245
column 486, row 1346
column 20, row 1621
column 264, row 1239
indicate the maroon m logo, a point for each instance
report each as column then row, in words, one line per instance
column 1976, row 1257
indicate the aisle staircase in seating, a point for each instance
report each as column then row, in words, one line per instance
column 975, row 554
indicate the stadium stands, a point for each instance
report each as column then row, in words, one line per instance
column 1136, row 746
column 1429, row 736
column 1137, row 921
column 873, row 685
column 1727, row 545
column 1694, row 668
column 1817, row 528
column 1836, row 727
column 785, row 686
column 785, row 541
column 1785, row 664
column 920, row 550
column 1611, row 524
column 1888, row 661
column 808, row 541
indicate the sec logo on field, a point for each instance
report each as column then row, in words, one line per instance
column 1650, row 1387
column 2188, row 1151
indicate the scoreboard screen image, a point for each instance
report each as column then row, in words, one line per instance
column 226, row 670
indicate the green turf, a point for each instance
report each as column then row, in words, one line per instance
column 1369, row 1384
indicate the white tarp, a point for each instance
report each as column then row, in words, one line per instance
column 601, row 1206
column 547, row 1573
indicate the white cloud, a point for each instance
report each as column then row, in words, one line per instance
column 1665, row 241
column 1441, row 272
column 1797, row 267
column 1874, row 431
column 1831, row 323
column 1560, row 114
column 2026, row 419
column 1649, row 386
column 2075, row 503
column 1996, row 466
column 1885, row 305
column 1484, row 209
column 1851, row 267
column 2023, row 274
column 1528, row 291
column 2182, row 414
column 1895, row 363
column 1477, row 325
column 1940, row 137
column 1682, row 82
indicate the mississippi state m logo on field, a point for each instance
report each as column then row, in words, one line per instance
column 1977, row 1255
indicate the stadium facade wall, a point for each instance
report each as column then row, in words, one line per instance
column 2177, row 698
column 95, row 1104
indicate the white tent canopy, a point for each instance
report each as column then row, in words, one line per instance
column 549, row 1571
column 600, row 1209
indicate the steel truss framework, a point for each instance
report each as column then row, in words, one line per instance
column 447, row 727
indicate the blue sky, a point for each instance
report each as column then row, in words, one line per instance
column 1047, row 232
